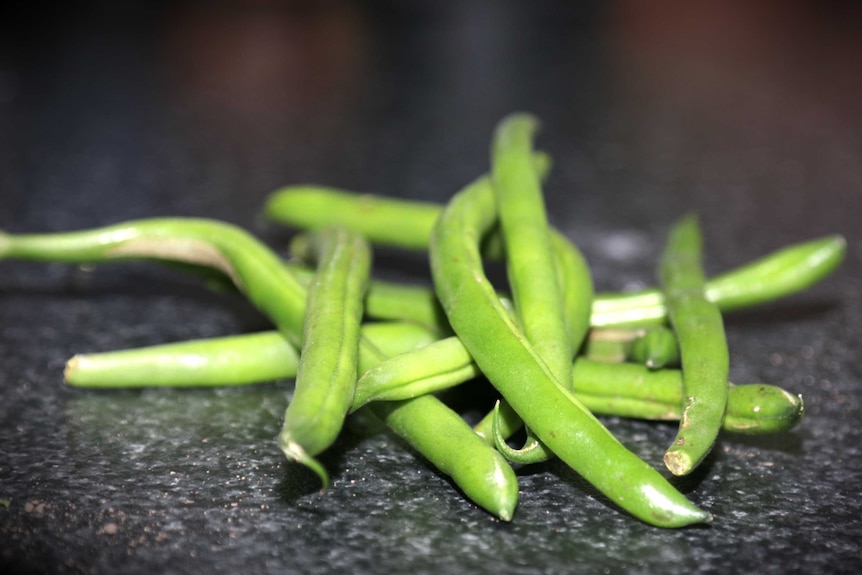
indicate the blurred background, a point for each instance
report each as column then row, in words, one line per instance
column 748, row 113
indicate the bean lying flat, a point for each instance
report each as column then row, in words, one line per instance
column 491, row 487
column 253, row 268
column 699, row 331
column 779, row 274
column 622, row 389
column 631, row 390
column 220, row 361
column 510, row 364
column 258, row 273
column 328, row 363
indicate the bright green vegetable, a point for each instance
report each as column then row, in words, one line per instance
column 699, row 330
column 624, row 390
column 779, row 274
column 450, row 444
column 631, row 390
column 524, row 228
column 328, row 363
column 536, row 290
column 220, row 361
column 253, row 268
column 258, row 273
column 511, row 365
column 656, row 348
column 438, row 365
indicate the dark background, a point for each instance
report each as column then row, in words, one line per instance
column 748, row 113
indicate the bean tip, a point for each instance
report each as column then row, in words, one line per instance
column 295, row 452
column 70, row 370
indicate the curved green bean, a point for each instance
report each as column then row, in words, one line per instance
column 328, row 363
column 510, row 364
column 699, row 331
column 438, row 365
column 253, row 267
column 524, row 228
column 257, row 272
column 776, row 275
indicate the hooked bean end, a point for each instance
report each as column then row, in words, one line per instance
column 294, row 452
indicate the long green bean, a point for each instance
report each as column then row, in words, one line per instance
column 510, row 364
column 220, row 361
column 622, row 389
column 328, row 363
column 703, row 350
column 258, row 273
column 776, row 275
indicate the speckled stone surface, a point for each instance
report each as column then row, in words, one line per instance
column 157, row 109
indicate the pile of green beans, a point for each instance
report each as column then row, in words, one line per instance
column 560, row 356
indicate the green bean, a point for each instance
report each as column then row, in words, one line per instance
column 328, row 363
column 529, row 260
column 631, row 390
column 225, row 361
column 222, row 361
column 312, row 207
column 257, row 272
column 623, row 390
column 656, row 348
column 253, row 268
column 699, row 331
column 430, row 368
column 536, row 291
column 779, row 274
column 511, row 365
column 442, row 436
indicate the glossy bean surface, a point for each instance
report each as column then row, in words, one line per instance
column 501, row 352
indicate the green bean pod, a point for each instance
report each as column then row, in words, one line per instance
column 779, row 274
column 438, row 365
column 258, row 273
column 433, row 429
column 511, row 365
column 329, row 360
column 699, row 330
column 533, row 279
column 622, row 389
column 232, row 360
column 529, row 260
column 656, row 348
column 776, row 275
column 631, row 390
column 253, row 267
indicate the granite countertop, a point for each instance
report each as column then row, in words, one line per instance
column 110, row 113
